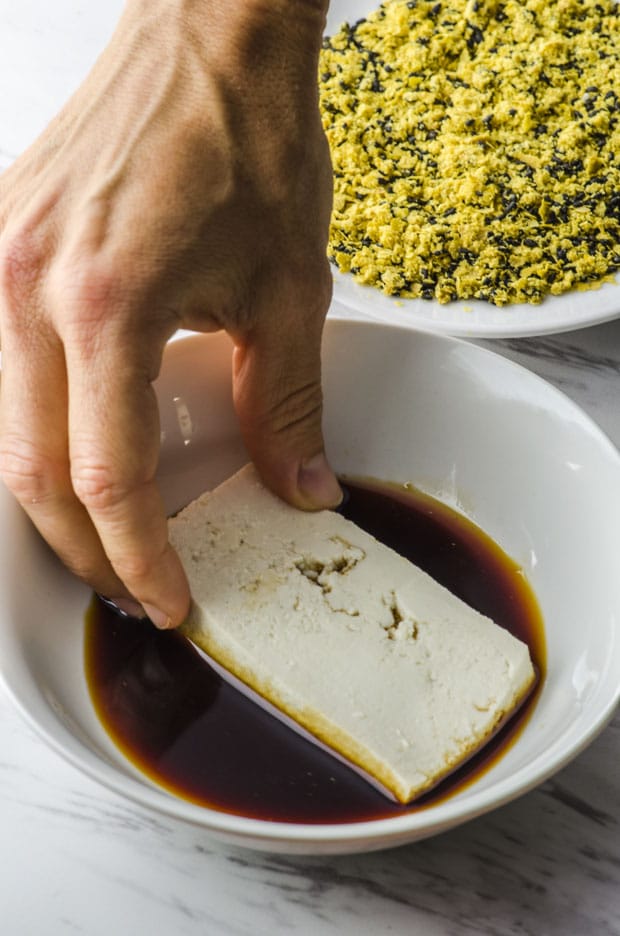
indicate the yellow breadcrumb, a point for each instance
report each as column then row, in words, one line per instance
column 475, row 147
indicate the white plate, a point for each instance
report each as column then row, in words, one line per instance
column 455, row 419
column 477, row 319
column 469, row 318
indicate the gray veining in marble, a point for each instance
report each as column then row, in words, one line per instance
column 547, row 864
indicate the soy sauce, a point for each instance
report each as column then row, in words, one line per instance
column 188, row 730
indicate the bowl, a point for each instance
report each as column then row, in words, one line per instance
column 459, row 422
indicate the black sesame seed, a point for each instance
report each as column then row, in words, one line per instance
column 475, row 36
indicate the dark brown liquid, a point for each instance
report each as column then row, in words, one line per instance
column 190, row 731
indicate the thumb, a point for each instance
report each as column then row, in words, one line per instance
column 279, row 402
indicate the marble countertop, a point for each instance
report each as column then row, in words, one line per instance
column 76, row 858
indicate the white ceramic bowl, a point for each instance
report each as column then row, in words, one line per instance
column 462, row 423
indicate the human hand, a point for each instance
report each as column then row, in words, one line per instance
column 186, row 184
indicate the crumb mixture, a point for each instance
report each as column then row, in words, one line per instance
column 476, row 147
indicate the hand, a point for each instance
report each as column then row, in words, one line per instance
column 186, row 184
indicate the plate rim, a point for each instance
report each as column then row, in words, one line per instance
column 426, row 315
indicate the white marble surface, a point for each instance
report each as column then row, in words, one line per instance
column 77, row 859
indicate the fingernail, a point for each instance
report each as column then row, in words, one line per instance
column 159, row 618
column 126, row 606
column 318, row 482
column 346, row 497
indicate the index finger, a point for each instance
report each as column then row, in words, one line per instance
column 114, row 451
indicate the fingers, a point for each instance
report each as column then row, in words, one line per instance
column 114, row 449
column 79, row 446
column 34, row 458
column 278, row 396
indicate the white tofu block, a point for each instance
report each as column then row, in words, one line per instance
column 356, row 644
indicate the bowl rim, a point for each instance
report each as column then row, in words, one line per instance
column 426, row 821
column 452, row 812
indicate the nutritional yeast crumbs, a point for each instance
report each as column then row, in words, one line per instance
column 475, row 147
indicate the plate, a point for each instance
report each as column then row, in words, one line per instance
column 459, row 421
column 469, row 318
column 477, row 319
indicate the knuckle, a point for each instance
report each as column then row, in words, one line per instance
column 96, row 485
column 21, row 262
column 84, row 294
column 299, row 409
column 27, row 472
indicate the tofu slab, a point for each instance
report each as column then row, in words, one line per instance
column 352, row 641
